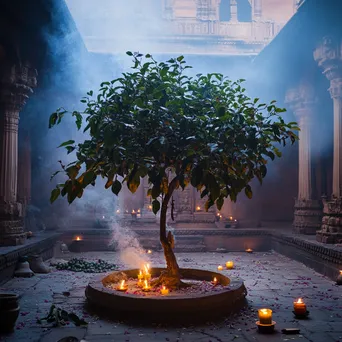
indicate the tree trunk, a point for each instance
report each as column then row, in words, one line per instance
column 171, row 277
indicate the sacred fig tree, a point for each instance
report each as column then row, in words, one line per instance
column 159, row 122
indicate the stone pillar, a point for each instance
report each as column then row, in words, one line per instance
column 233, row 11
column 257, row 9
column 308, row 214
column 16, row 82
column 24, row 172
column 328, row 55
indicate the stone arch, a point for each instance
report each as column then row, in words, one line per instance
column 224, row 10
column 244, row 10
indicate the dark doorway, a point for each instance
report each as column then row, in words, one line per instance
column 244, row 11
column 224, row 9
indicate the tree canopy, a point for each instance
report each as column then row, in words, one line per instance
column 160, row 122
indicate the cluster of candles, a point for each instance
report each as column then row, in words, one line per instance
column 144, row 277
column 265, row 315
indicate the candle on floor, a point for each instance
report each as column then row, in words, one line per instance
column 140, row 275
column 265, row 316
column 147, row 286
column 140, row 283
column 249, row 250
column 229, row 265
column 214, row 282
column 220, row 268
column 299, row 307
column 164, row 291
column 123, row 286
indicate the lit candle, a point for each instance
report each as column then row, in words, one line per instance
column 149, row 252
column 78, row 238
column 164, row 291
column 231, row 218
column 147, row 274
column 198, row 208
column 146, row 287
column 123, row 286
column 140, row 283
column 229, row 265
column 214, row 282
column 248, row 250
column 265, row 316
column 150, row 207
column 140, row 275
column 299, row 307
column 220, row 267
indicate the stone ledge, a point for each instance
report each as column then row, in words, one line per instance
column 9, row 256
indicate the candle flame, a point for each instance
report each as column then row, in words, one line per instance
column 133, row 211
column 138, row 210
column 150, row 207
column 264, row 311
column 164, row 288
column 231, row 218
column 140, row 272
column 149, row 252
column 215, row 280
column 299, row 301
column 198, row 208
column 148, row 266
column 146, row 284
column 78, row 238
column 122, row 284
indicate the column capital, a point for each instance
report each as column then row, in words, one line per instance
column 301, row 99
column 328, row 55
column 17, row 83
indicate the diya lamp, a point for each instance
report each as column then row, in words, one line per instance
column 123, row 286
column 138, row 213
column 164, row 291
column 77, row 244
column 214, row 281
column 299, row 309
column 265, row 323
column 150, row 207
column 220, row 268
column 339, row 279
column 147, row 274
column 231, row 218
column 249, row 250
column 146, row 286
column 229, row 265
column 134, row 214
column 140, row 275
column 198, row 208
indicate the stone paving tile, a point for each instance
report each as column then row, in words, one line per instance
column 272, row 281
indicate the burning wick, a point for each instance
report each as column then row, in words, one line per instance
column 146, row 287
column 138, row 211
column 123, row 286
column 140, row 275
column 78, row 238
column 164, row 291
column 149, row 252
column 214, row 282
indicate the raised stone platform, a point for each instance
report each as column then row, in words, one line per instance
column 42, row 244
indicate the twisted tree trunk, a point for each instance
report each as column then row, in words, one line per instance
column 171, row 277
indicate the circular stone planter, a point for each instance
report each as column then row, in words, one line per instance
column 182, row 307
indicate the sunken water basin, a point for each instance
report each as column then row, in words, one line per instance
column 226, row 298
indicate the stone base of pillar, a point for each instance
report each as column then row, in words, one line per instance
column 307, row 217
column 331, row 230
column 12, row 233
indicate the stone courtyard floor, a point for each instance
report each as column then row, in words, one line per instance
column 272, row 280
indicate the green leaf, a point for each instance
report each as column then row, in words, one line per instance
column 78, row 120
column 263, row 170
column 66, row 143
column 53, row 119
column 116, row 187
column 54, row 194
column 155, row 206
column 88, row 178
column 219, row 203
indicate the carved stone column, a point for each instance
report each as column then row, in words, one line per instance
column 328, row 55
column 16, row 83
column 257, row 9
column 233, row 11
column 308, row 213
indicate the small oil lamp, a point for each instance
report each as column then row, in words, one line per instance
column 265, row 323
column 140, row 275
column 146, row 287
column 138, row 213
column 147, row 274
column 150, row 207
column 78, row 238
column 218, row 217
column 134, row 214
column 299, row 308
column 339, row 279
column 231, row 218
column 122, row 287
column 149, row 252
column 220, row 268
column 214, row 281
column 164, row 291
column 249, row 250
column 198, row 208
column 229, row 265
